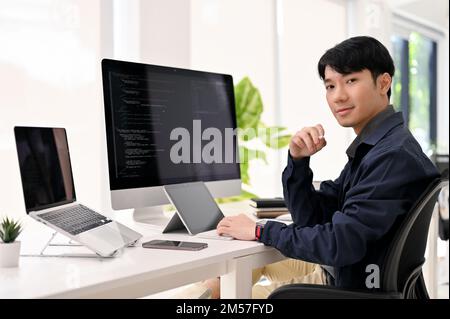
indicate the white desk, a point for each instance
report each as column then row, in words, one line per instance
column 138, row 271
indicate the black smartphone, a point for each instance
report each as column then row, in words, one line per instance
column 173, row 244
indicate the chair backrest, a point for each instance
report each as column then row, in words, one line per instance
column 402, row 267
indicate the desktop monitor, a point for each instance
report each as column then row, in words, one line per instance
column 167, row 125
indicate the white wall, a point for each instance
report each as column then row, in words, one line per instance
column 165, row 32
column 372, row 18
column 307, row 33
column 126, row 30
column 237, row 37
column 50, row 76
column 435, row 11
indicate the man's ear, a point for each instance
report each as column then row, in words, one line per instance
column 384, row 83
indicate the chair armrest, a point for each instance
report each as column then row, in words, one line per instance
column 306, row 291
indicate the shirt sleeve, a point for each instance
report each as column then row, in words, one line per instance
column 382, row 193
column 306, row 205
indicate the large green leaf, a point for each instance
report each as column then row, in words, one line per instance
column 247, row 134
column 249, row 104
column 283, row 141
column 246, row 154
column 249, row 108
column 271, row 137
column 243, row 196
column 245, row 178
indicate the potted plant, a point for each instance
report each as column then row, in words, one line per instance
column 9, row 247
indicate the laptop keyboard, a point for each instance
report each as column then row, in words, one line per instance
column 76, row 219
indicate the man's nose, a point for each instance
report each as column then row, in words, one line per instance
column 340, row 94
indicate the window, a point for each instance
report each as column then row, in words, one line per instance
column 414, row 87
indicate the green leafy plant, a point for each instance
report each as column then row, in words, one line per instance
column 251, row 129
column 9, row 230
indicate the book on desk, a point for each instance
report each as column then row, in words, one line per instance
column 268, row 207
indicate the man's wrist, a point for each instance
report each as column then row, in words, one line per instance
column 259, row 228
column 296, row 158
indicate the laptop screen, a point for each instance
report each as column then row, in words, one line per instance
column 45, row 168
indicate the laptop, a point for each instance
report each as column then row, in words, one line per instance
column 49, row 193
column 197, row 212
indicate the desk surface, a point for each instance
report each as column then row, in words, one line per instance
column 137, row 271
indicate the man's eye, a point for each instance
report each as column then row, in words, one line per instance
column 328, row 87
column 351, row 81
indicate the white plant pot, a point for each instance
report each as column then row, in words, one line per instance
column 9, row 254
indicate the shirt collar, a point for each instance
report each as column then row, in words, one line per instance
column 377, row 127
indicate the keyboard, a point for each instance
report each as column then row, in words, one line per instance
column 212, row 234
column 75, row 219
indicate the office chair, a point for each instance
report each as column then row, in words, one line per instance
column 401, row 271
column 441, row 162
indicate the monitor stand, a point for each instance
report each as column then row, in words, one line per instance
column 153, row 215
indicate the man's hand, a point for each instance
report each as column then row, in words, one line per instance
column 239, row 227
column 308, row 141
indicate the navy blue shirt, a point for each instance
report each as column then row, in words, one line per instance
column 349, row 223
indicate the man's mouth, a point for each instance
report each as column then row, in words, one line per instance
column 344, row 110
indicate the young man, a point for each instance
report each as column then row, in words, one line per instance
column 347, row 225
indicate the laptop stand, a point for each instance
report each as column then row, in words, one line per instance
column 69, row 244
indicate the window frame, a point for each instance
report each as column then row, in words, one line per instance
column 403, row 24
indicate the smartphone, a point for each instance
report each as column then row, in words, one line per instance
column 173, row 244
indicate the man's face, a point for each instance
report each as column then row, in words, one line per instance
column 354, row 98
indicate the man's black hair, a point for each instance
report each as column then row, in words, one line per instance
column 356, row 54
